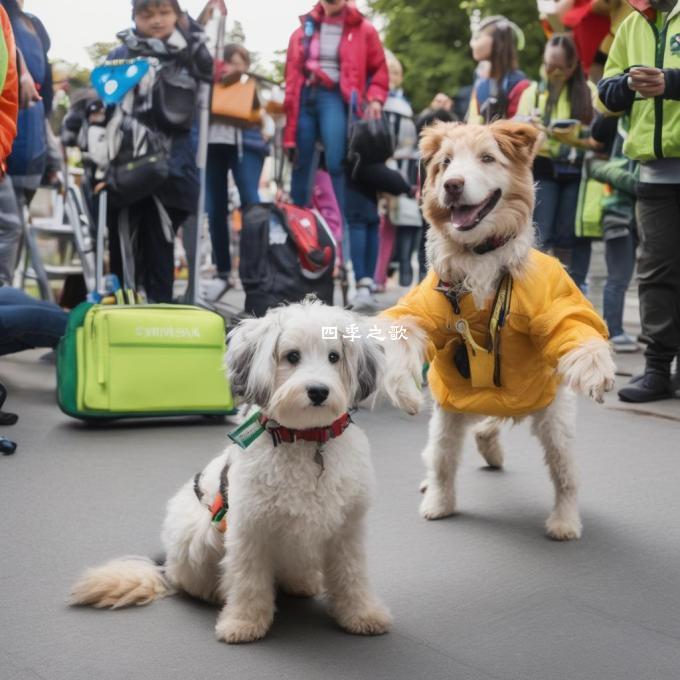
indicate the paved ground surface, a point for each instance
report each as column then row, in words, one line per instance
column 478, row 596
column 483, row 595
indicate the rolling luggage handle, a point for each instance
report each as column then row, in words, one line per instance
column 126, row 295
column 99, row 255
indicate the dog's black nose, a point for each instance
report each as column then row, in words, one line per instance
column 454, row 186
column 317, row 394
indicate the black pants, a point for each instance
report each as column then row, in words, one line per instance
column 658, row 216
column 154, row 255
column 422, row 252
column 407, row 243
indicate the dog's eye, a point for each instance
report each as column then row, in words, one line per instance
column 293, row 357
column 488, row 158
column 333, row 357
column 446, row 162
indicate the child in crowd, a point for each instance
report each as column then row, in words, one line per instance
column 163, row 32
column 402, row 220
column 497, row 40
column 610, row 167
column 233, row 146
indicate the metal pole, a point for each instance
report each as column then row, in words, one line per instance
column 101, row 229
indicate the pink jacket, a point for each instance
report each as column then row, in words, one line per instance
column 362, row 66
column 323, row 200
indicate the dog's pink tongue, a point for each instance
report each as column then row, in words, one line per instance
column 464, row 215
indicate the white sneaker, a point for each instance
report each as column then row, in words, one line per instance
column 624, row 344
column 363, row 300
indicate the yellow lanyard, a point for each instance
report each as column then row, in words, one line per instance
column 485, row 369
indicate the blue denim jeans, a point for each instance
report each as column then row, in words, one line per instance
column 619, row 254
column 26, row 323
column 323, row 117
column 364, row 221
column 246, row 171
column 555, row 211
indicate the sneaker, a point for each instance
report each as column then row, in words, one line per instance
column 651, row 387
column 623, row 344
column 214, row 289
column 363, row 300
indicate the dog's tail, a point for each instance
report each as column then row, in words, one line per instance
column 122, row 582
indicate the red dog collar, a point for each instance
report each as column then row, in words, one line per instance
column 281, row 434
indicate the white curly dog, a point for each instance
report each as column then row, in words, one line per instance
column 297, row 494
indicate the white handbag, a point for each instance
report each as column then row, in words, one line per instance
column 403, row 211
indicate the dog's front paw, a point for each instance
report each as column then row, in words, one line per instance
column 589, row 369
column 562, row 526
column 437, row 502
column 237, row 630
column 405, row 393
column 375, row 620
column 597, row 390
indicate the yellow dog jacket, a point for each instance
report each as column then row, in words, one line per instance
column 548, row 316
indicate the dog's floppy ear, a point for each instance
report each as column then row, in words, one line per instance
column 370, row 367
column 518, row 141
column 251, row 358
column 432, row 137
column 365, row 361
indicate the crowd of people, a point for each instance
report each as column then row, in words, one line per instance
column 608, row 167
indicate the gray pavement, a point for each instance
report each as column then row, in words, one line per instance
column 483, row 595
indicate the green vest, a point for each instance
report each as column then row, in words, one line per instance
column 534, row 101
column 654, row 123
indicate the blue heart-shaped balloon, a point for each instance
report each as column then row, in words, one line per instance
column 113, row 80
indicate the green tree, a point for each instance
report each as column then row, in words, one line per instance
column 430, row 38
column 99, row 50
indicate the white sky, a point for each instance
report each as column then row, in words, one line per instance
column 74, row 24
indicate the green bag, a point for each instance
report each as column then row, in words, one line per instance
column 121, row 361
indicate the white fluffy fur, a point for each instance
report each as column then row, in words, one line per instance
column 290, row 524
column 588, row 369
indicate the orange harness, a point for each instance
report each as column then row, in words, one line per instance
column 220, row 505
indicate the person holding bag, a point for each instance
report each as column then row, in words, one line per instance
column 236, row 144
column 403, row 212
column 335, row 57
column 161, row 111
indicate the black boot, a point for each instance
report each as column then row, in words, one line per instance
column 653, row 385
column 6, row 418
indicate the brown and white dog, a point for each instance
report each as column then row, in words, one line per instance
column 479, row 198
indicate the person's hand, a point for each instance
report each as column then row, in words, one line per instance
column 229, row 77
column 374, row 110
column 442, row 101
column 537, row 122
column 594, row 145
column 99, row 187
column 29, row 91
column 647, row 81
column 567, row 135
